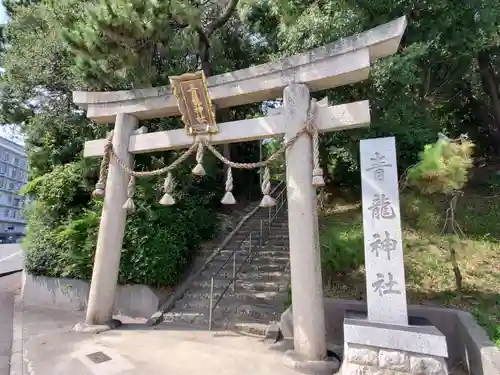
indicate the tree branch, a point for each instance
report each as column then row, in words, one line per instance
column 226, row 14
column 204, row 36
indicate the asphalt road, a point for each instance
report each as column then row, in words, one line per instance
column 11, row 258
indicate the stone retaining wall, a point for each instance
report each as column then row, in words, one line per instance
column 364, row 359
column 72, row 294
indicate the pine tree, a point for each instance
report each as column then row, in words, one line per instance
column 128, row 43
column 443, row 169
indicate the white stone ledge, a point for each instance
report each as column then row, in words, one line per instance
column 72, row 294
column 339, row 63
column 416, row 339
column 340, row 117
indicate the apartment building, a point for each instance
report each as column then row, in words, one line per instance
column 13, row 175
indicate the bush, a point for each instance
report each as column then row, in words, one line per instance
column 159, row 241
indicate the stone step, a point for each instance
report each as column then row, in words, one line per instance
column 273, row 252
column 195, row 317
column 253, row 263
column 253, row 275
column 239, row 241
column 232, row 301
column 263, row 256
column 264, row 267
column 258, row 313
column 257, row 329
column 248, row 285
column 239, row 294
column 263, row 259
column 225, row 316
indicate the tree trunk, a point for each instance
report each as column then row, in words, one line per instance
column 222, row 115
column 490, row 87
column 204, row 55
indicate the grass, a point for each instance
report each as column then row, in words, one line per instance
column 429, row 275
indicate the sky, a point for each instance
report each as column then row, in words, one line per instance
column 3, row 16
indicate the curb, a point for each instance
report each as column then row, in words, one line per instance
column 16, row 359
column 10, row 273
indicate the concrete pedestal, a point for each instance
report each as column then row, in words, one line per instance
column 372, row 348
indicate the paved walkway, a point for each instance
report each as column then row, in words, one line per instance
column 49, row 347
column 6, row 314
column 9, row 287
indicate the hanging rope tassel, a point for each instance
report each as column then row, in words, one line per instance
column 167, row 199
column 317, row 173
column 267, row 200
column 229, row 197
column 129, row 205
column 100, row 186
column 198, row 169
column 317, row 179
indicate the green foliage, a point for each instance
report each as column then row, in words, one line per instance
column 341, row 244
column 429, row 273
column 159, row 241
column 120, row 40
column 443, row 167
column 422, row 213
column 435, row 82
column 277, row 166
column 36, row 92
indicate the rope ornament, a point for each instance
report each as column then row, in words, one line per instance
column 168, row 188
column 167, row 199
column 129, row 204
column 100, row 186
column 229, row 197
column 267, row 200
column 198, row 170
column 317, row 173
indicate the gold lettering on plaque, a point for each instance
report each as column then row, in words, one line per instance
column 194, row 103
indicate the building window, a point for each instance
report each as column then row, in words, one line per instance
column 11, row 186
column 13, row 173
column 3, row 168
column 17, row 202
column 16, row 161
column 2, row 182
column 13, row 214
column 6, row 156
column 6, row 212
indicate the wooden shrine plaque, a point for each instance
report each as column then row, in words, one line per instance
column 194, row 103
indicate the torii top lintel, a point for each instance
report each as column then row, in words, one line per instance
column 342, row 62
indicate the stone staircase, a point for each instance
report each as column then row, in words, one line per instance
column 261, row 287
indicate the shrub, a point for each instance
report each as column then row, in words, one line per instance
column 159, row 241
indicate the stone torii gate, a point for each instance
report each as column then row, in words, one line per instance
column 340, row 63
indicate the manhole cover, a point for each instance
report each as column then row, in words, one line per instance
column 98, row 357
